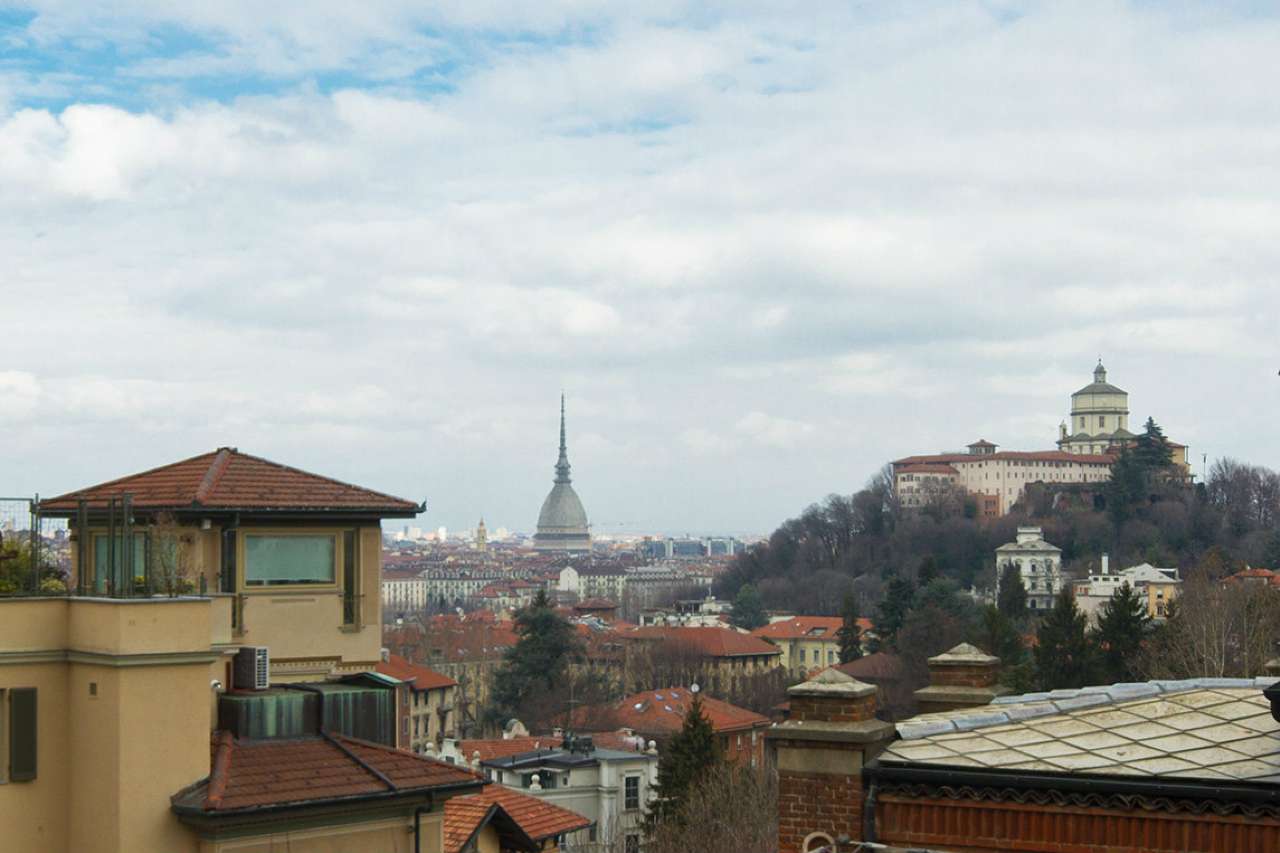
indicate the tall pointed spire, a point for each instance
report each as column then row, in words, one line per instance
column 562, row 464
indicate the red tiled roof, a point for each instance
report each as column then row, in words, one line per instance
column 229, row 479
column 1013, row 455
column 927, row 468
column 501, row 748
column 463, row 818
column 1245, row 574
column 538, row 819
column 801, row 628
column 251, row 774
column 880, row 666
column 419, row 676
column 661, row 712
column 711, row 641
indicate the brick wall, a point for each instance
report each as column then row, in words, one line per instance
column 964, row 676
column 832, row 710
column 814, row 802
column 819, row 752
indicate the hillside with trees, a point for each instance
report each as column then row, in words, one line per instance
column 908, row 570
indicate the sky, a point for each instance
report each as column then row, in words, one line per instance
column 763, row 248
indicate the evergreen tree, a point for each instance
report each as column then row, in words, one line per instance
column 1126, row 489
column 850, row 635
column 1123, row 625
column 998, row 635
column 899, row 598
column 1152, row 451
column 1065, row 654
column 928, row 571
column 536, row 664
column 1012, row 601
column 690, row 754
column 748, row 610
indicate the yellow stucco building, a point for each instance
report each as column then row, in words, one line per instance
column 218, row 586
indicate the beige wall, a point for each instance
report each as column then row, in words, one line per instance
column 33, row 815
column 123, row 721
column 384, row 836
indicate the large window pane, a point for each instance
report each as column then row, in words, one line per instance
column 288, row 559
column 102, row 559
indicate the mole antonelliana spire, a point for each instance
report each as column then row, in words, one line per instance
column 562, row 523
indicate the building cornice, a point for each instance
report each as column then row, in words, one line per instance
column 40, row 656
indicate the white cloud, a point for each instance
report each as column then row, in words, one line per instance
column 889, row 220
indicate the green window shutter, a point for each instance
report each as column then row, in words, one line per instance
column 22, row 734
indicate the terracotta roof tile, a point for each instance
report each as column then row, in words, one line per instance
column 801, row 628
column 296, row 771
column 229, row 479
column 661, row 712
column 420, row 676
column 711, row 641
column 463, row 818
column 538, row 818
column 502, row 747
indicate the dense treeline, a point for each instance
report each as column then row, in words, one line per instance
column 1145, row 513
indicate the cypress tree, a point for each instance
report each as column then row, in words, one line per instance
column 899, row 597
column 1012, row 600
column 850, row 635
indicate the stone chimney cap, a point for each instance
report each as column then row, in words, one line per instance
column 963, row 655
column 833, row 683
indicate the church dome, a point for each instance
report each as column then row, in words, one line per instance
column 562, row 513
column 562, row 522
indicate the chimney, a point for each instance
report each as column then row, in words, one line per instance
column 386, row 655
column 819, row 753
column 1106, row 564
column 964, row 677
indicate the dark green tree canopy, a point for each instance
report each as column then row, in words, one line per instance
column 690, row 755
column 899, row 598
column 1123, row 626
column 850, row 635
column 748, row 609
column 1012, row 600
column 537, row 665
column 1065, row 654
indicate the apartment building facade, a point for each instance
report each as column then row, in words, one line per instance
column 119, row 700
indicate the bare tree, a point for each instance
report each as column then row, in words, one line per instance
column 170, row 556
column 1216, row 630
column 731, row 809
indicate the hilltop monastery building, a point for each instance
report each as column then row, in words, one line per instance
column 1087, row 443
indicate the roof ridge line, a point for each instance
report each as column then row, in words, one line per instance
column 325, row 477
column 373, row 771
column 221, row 460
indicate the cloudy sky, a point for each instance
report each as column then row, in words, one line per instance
column 764, row 247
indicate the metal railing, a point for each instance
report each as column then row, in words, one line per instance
column 37, row 560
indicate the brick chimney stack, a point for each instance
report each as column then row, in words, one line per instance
column 819, row 753
column 964, row 677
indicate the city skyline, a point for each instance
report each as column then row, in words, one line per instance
column 763, row 254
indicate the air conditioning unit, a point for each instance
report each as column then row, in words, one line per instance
column 252, row 669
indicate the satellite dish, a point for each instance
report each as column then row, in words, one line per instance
column 694, row 688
